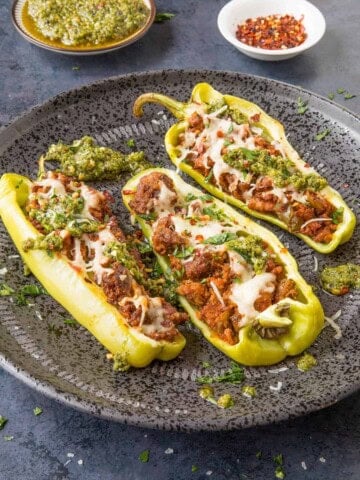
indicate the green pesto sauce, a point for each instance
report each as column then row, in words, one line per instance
column 120, row 251
column 338, row 280
column 306, row 362
column 56, row 212
column 251, row 248
column 282, row 170
column 87, row 22
column 85, row 160
column 249, row 391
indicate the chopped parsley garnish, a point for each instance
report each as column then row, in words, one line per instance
column 183, row 252
column 235, row 376
column 194, row 468
column 205, row 364
column 76, row 67
column 215, row 213
column 209, row 177
column 148, row 216
column 5, row 290
column 258, row 454
column 228, row 142
column 337, row 215
column 28, row 291
column 279, row 471
column 37, row 411
column 302, row 106
column 162, row 17
column 144, row 456
column 131, row 143
column 71, row 321
column 340, row 90
column 321, row 135
column 8, row 438
column 348, row 95
column 331, row 96
column 3, row 422
column 189, row 197
column 221, row 238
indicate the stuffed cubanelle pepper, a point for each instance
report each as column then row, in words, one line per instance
column 67, row 236
column 238, row 283
column 240, row 154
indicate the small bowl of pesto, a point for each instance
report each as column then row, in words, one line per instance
column 83, row 27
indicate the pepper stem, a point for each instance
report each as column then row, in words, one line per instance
column 175, row 107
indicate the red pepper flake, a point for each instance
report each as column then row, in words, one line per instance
column 272, row 32
column 220, row 134
column 255, row 118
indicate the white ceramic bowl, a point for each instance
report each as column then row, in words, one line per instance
column 237, row 11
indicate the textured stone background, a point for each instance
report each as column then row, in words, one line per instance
column 107, row 450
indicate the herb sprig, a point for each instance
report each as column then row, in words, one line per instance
column 162, row 17
column 234, row 375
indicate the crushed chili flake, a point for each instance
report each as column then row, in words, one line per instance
column 272, row 32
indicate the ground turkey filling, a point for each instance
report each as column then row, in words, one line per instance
column 227, row 276
column 77, row 221
column 234, row 153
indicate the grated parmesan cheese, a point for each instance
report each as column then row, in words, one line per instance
column 320, row 219
column 217, row 293
column 334, row 325
column 277, row 388
column 316, row 264
column 278, row 370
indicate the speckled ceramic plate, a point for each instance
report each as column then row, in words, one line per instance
column 23, row 24
column 69, row 365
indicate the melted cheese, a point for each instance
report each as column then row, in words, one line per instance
column 97, row 247
column 166, row 200
column 92, row 199
column 204, row 230
column 56, row 187
column 245, row 294
column 239, row 266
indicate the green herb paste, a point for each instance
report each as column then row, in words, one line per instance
column 87, row 161
column 87, row 22
column 282, row 170
column 339, row 280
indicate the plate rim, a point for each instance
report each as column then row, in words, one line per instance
column 120, row 415
column 87, row 51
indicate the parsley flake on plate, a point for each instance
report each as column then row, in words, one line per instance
column 3, row 422
column 234, row 375
column 37, row 411
column 302, row 106
column 144, row 456
column 162, row 17
column 321, row 135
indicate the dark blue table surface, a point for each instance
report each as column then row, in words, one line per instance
column 62, row 444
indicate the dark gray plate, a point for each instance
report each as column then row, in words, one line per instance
column 69, row 365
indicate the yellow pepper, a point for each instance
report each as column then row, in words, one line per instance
column 85, row 301
column 204, row 94
column 305, row 318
